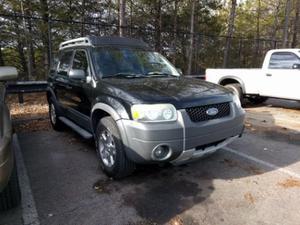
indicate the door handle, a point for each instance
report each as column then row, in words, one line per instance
column 268, row 75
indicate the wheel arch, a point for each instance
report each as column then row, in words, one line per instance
column 101, row 110
column 232, row 80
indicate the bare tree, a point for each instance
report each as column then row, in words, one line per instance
column 175, row 31
column 276, row 21
column 257, row 42
column 190, row 59
column 229, row 31
column 158, row 24
column 2, row 63
column 286, row 23
column 296, row 24
column 45, row 31
column 122, row 22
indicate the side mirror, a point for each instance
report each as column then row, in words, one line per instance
column 296, row 66
column 8, row 73
column 77, row 74
column 179, row 71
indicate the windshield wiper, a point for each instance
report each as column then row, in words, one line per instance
column 125, row 75
column 159, row 74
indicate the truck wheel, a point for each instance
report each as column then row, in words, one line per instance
column 257, row 99
column 55, row 122
column 10, row 197
column 237, row 89
column 110, row 150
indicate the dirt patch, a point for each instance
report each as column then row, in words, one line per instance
column 249, row 169
column 249, row 198
column 276, row 118
column 32, row 115
column 290, row 183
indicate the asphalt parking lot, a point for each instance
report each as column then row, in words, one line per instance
column 255, row 180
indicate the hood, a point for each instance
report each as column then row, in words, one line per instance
column 181, row 92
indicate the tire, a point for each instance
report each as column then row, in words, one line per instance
column 53, row 116
column 10, row 197
column 257, row 99
column 237, row 89
column 107, row 134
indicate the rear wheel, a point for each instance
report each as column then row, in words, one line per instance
column 10, row 197
column 237, row 89
column 110, row 149
column 55, row 122
column 257, row 99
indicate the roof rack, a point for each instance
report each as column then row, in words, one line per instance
column 76, row 42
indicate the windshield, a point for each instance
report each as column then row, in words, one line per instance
column 113, row 62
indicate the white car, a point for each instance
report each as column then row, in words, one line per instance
column 279, row 77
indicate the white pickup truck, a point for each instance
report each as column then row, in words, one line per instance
column 279, row 77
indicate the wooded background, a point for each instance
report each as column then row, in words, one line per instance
column 193, row 34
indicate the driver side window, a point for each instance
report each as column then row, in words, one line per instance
column 80, row 62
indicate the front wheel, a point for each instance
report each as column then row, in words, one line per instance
column 110, row 150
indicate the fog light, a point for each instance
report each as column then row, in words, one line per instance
column 161, row 152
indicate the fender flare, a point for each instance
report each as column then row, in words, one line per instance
column 108, row 109
column 115, row 115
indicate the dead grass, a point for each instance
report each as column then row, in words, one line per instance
column 249, row 198
column 32, row 115
column 290, row 183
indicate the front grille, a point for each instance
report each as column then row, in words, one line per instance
column 199, row 113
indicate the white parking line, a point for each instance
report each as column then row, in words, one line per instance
column 264, row 163
column 29, row 211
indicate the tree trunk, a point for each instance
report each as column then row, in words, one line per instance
column 28, row 41
column 2, row 63
column 229, row 32
column 45, row 32
column 82, row 32
column 158, row 26
column 175, row 32
column 257, row 44
column 122, row 22
column 275, row 25
column 190, row 59
column 296, row 24
column 286, row 23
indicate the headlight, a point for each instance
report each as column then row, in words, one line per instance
column 154, row 113
column 236, row 100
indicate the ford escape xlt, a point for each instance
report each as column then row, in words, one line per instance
column 137, row 106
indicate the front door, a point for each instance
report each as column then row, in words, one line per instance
column 79, row 104
column 61, row 80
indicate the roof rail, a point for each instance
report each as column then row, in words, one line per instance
column 76, row 42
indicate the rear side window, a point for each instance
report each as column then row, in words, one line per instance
column 80, row 62
column 283, row 60
column 64, row 63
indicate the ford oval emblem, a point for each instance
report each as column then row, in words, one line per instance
column 212, row 111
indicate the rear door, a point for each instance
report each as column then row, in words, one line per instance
column 79, row 93
column 280, row 79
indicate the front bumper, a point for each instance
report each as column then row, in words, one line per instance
column 186, row 139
